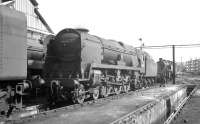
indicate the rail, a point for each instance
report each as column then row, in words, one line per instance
column 48, row 113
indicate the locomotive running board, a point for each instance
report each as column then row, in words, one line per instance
column 120, row 67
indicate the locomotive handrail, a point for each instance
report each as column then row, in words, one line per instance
column 114, row 83
column 95, row 65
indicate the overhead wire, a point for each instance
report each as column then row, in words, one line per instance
column 170, row 46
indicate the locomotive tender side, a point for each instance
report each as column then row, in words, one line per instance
column 12, row 35
column 13, row 54
column 21, row 62
column 79, row 64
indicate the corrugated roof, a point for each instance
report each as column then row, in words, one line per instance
column 35, row 3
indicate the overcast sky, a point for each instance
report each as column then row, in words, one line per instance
column 157, row 22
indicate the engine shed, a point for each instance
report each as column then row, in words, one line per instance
column 22, row 52
column 37, row 30
column 37, row 27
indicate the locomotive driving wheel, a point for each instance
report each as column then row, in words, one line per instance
column 118, row 89
column 3, row 103
column 126, row 88
column 79, row 95
column 9, row 91
column 109, row 90
column 95, row 94
column 103, row 91
column 137, row 85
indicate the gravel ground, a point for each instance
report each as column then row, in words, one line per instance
column 188, row 79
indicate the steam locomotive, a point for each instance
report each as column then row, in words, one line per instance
column 164, row 70
column 74, row 64
column 21, row 62
column 79, row 65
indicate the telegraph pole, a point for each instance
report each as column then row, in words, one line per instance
column 174, row 64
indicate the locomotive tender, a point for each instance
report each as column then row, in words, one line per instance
column 79, row 65
column 21, row 62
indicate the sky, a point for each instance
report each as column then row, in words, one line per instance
column 157, row 22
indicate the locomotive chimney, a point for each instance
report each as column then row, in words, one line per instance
column 83, row 32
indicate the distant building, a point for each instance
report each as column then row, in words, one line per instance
column 193, row 66
column 37, row 27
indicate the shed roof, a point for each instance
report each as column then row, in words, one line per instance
column 34, row 2
column 43, row 20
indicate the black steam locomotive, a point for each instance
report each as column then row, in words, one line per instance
column 79, row 65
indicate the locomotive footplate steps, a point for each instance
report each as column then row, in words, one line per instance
column 147, row 106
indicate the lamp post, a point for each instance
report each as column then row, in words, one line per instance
column 142, row 44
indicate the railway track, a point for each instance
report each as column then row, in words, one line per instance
column 177, row 111
column 40, row 113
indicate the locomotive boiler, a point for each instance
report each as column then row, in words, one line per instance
column 35, row 55
column 79, row 65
